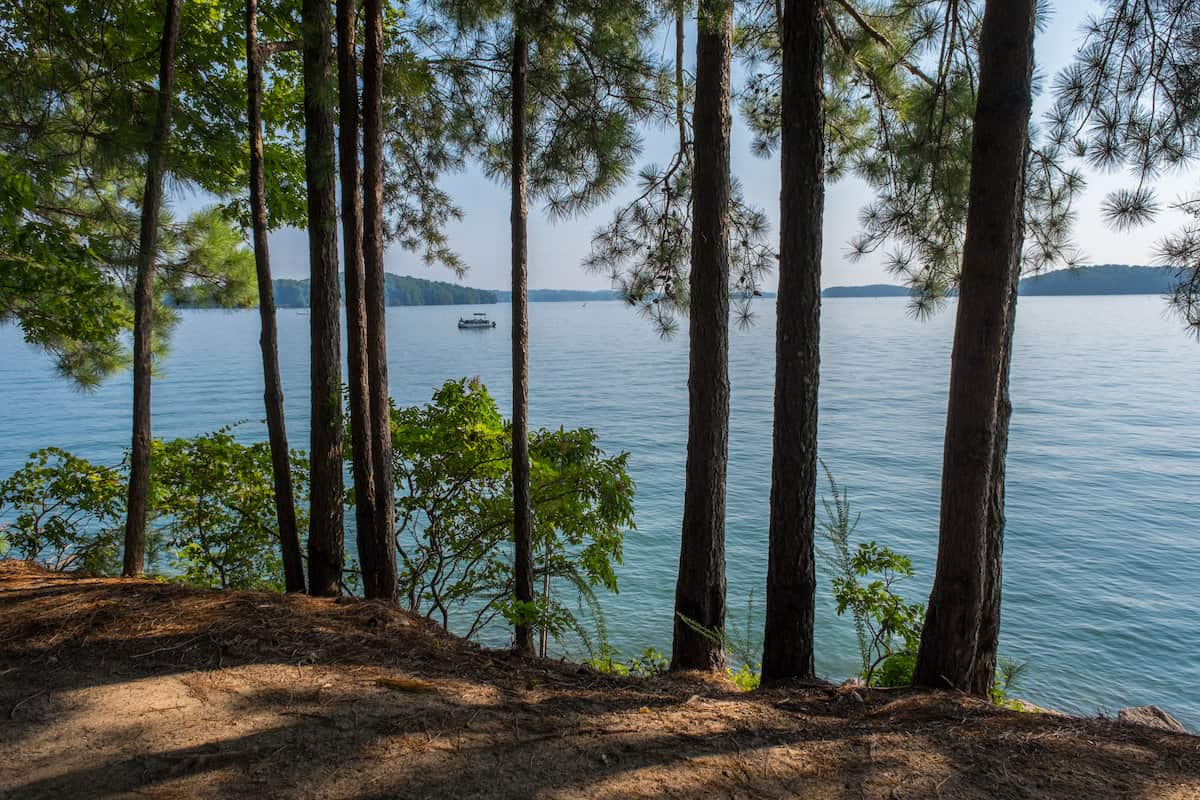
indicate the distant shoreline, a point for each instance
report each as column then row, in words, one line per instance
column 406, row 290
column 1104, row 279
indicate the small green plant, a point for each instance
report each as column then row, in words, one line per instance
column 650, row 664
column 743, row 647
column 63, row 511
column 1008, row 676
column 865, row 577
column 746, row 678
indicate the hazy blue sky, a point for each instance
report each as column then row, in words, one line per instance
column 556, row 250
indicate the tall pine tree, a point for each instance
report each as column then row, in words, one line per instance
column 377, row 547
column 955, row 640
column 325, row 538
column 281, row 468
column 791, row 569
column 143, row 300
column 564, row 83
column 700, row 585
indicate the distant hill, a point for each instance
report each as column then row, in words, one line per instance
column 870, row 290
column 575, row 295
column 1104, row 279
column 1096, row 280
column 562, row 295
column 402, row 290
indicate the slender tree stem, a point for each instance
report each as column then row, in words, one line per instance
column 700, row 587
column 281, row 468
column 143, row 301
column 356, row 310
column 380, row 580
column 522, row 521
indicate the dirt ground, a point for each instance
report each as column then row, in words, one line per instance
column 127, row 688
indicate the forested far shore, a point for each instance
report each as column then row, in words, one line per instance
column 405, row 290
column 1096, row 280
column 400, row 290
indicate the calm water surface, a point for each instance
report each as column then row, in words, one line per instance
column 1102, row 557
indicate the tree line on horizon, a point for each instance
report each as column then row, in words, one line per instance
column 399, row 290
column 340, row 118
column 1098, row 279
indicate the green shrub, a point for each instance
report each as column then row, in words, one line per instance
column 64, row 512
column 744, row 647
column 214, row 498
column 896, row 670
column 747, row 678
column 452, row 468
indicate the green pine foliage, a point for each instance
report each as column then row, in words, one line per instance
column 645, row 249
column 592, row 79
column 1129, row 101
column 901, row 78
column 77, row 104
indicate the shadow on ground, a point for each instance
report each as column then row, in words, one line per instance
column 113, row 688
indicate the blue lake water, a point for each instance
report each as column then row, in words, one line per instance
column 1102, row 557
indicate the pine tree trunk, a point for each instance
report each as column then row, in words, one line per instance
column 522, row 520
column 356, row 309
column 949, row 656
column 143, row 301
column 379, row 578
column 700, row 587
column 989, row 618
column 281, row 468
column 325, row 539
column 791, row 568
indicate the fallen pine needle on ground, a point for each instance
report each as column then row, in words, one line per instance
column 116, row 688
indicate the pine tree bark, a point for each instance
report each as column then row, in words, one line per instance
column 989, row 617
column 950, row 652
column 143, row 301
column 356, row 308
column 791, row 569
column 325, row 539
column 379, row 575
column 522, row 513
column 281, row 468
column 700, row 586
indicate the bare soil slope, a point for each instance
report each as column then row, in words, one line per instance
column 127, row 688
